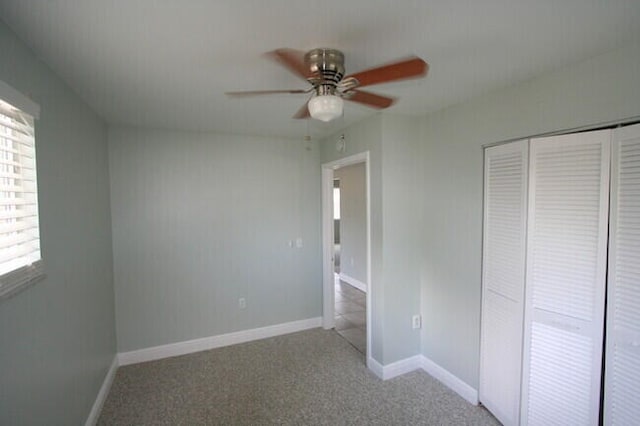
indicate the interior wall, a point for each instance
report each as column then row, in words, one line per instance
column 396, row 227
column 201, row 220
column 353, row 221
column 57, row 337
column 603, row 89
column 363, row 136
column 402, row 234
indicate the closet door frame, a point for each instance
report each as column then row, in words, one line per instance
column 622, row 347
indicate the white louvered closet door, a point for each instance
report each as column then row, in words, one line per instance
column 565, row 279
column 622, row 369
column 505, row 189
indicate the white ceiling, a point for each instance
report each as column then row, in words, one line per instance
column 167, row 64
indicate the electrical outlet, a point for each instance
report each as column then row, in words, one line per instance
column 416, row 322
column 299, row 242
column 242, row 303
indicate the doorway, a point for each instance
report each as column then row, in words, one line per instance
column 346, row 250
column 349, row 233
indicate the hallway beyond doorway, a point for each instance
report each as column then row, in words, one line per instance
column 351, row 314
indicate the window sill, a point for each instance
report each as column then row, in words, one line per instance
column 18, row 280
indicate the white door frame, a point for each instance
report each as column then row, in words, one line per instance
column 327, row 240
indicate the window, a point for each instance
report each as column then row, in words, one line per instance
column 20, row 262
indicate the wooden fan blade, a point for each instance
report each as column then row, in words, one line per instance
column 293, row 60
column 303, row 112
column 369, row 99
column 263, row 92
column 413, row 67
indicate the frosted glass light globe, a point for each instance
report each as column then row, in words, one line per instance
column 326, row 107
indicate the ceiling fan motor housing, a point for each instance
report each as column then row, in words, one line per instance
column 326, row 67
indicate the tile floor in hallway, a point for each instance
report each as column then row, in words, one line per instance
column 351, row 314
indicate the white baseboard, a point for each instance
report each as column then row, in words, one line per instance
column 447, row 378
column 398, row 368
column 401, row 367
column 352, row 281
column 375, row 367
column 102, row 394
column 206, row 343
column 395, row 369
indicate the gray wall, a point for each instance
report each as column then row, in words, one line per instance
column 395, row 225
column 402, row 234
column 201, row 220
column 602, row 89
column 353, row 221
column 366, row 135
column 57, row 338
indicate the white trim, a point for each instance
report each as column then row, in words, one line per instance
column 375, row 367
column 328, row 281
column 398, row 368
column 18, row 100
column 401, row 367
column 353, row 282
column 450, row 380
column 327, row 239
column 94, row 414
column 206, row 343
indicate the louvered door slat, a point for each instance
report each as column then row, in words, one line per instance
column 503, row 279
column 622, row 370
column 569, row 371
column 566, row 260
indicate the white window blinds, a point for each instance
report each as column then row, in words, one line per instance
column 20, row 262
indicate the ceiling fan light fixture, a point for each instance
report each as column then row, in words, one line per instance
column 325, row 107
column 324, row 70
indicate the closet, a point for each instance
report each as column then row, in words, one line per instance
column 561, row 246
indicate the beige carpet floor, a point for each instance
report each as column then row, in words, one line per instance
column 312, row 377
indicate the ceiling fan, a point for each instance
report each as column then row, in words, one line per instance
column 324, row 70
